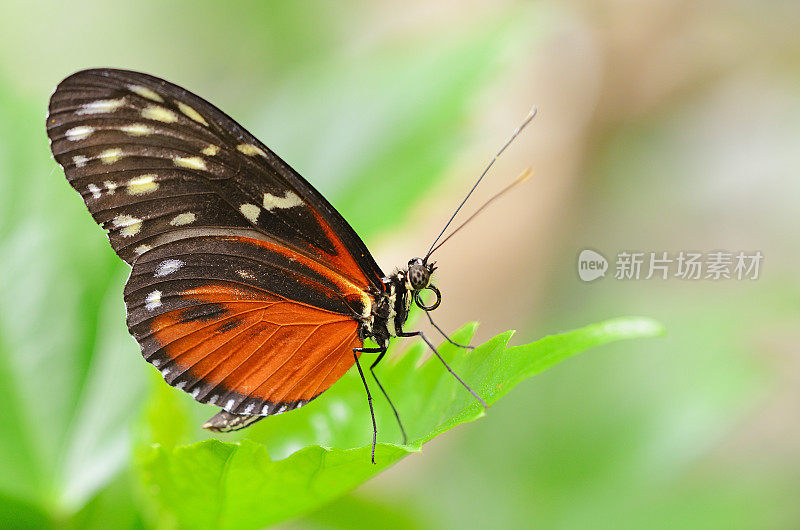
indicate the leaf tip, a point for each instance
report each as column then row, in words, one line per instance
column 635, row 327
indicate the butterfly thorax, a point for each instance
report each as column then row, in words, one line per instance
column 391, row 308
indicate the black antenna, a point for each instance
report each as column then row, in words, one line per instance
column 525, row 122
column 519, row 180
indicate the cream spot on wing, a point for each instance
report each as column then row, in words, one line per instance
column 110, row 186
column 250, row 149
column 183, row 219
column 79, row 160
column 137, row 129
column 289, row 200
column 141, row 249
column 80, row 132
column 158, row 113
column 192, row 162
column 101, row 106
column 168, row 266
column 153, row 301
column 251, row 211
column 109, row 156
column 180, row 385
column 196, row 392
column 156, row 362
column 142, row 184
column 193, row 114
column 94, row 190
column 210, row 150
column 145, row 93
column 131, row 230
column 128, row 225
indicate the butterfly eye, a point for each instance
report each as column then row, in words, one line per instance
column 418, row 274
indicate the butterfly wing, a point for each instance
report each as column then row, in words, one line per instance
column 150, row 158
column 247, row 285
column 220, row 318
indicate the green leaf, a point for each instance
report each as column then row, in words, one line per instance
column 215, row 484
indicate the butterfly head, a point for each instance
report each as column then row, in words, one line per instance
column 419, row 273
column 419, row 276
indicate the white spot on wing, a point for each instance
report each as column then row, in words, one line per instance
column 247, row 275
column 265, row 409
column 79, row 133
column 249, row 408
column 145, row 93
column 141, row 249
column 250, row 150
column 190, row 112
column 196, row 392
column 79, row 160
column 137, row 129
column 251, row 211
column 110, row 186
column 128, row 225
column 289, row 200
column 191, row 162
column 94, row 190
column 153, row 300
column 168, row 266
column 158, row 113
column 109, row 156
column 183, row 219
column 180, row 385
column 229, row 405
column 101, row 106
column 156, row 362
column 213, row 399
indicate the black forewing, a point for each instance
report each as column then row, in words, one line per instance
column 153, row 161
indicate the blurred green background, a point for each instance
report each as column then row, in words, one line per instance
column 663, row 126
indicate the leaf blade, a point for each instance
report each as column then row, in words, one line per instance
column 228, row 482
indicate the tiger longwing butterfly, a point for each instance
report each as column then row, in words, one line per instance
column 248, row 290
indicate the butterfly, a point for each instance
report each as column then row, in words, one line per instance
column 248, row 290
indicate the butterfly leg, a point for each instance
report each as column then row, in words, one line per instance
column 382, row 352
column 448, row 339
column 433, row 348
column 356, row 351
